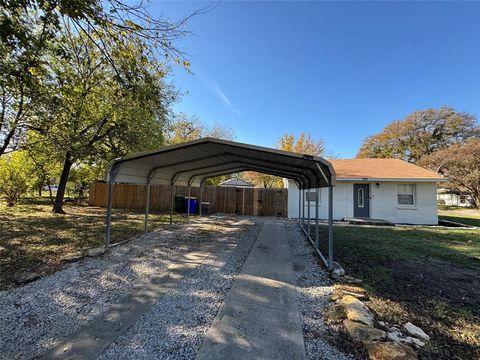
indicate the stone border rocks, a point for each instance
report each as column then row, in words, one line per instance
column 380, row 340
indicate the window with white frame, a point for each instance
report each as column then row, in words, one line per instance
column 406, row 194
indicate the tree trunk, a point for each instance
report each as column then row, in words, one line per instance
column 40, row 191
column 6, row 141
column 62, row 185
column 50, row 191
column 476, row 200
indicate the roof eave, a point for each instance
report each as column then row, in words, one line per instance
column 393, row 179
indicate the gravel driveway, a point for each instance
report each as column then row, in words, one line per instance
column 313, row 290
column 38, row 316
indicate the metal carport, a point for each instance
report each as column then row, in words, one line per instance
column 191, row 163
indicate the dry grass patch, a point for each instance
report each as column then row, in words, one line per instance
column 32, row 239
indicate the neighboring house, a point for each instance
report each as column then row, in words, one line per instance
column 236, row 182
column 388, row 189
column 451, row 197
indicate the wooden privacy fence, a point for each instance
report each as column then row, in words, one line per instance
column 257, row 202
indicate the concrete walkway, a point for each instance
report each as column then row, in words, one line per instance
column 260, row 318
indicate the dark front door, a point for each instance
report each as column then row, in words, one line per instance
column 361, row 200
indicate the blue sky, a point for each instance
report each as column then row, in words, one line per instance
column 339, row 70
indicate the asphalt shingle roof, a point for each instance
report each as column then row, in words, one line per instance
column 380, row 169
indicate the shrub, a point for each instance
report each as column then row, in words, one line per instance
column 14, row 176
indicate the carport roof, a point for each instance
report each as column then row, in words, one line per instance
column 190, row 163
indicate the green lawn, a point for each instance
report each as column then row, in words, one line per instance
column 460, row 215
column 34, row 239
column 461, row 219
column 429, row 276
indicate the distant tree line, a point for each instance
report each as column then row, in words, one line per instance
column 443, row 140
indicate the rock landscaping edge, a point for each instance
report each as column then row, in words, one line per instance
column 380, row 340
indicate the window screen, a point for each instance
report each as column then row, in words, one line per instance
column 406, row 194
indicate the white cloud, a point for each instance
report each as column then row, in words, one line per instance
column 214, row 87
column 224, row 98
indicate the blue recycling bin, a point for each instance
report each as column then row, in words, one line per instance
column 193, row 204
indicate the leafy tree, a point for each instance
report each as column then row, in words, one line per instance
column 220, row 131
column 29, row 29
column 420, row 133
column 45, row 164
column 91, row 114
column 187, row 128
column 460, row 163
column 81, row 176
column 218, row 179
column 24, row 34
column 20, row 95
column 262, row 180
column 14, row 176
column 304, row 144
column 183, row 128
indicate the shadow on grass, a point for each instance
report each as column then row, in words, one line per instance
column 429, row 276
column 461, row 219
column 32, row 239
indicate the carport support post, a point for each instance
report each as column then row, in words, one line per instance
column 299, row 205
column 317, row 193
column 109, row 209
column 200, row 198
column 303, row 208
column 330, row 227
column 147, row 206
column 171, row 203
column 308, row 212
column 243, row 201
column 188, row 204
